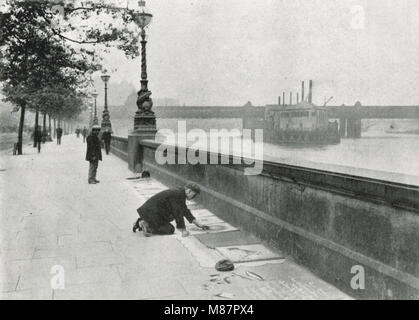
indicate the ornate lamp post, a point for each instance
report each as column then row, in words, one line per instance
column 90, row 117
column 106, row 120
column 145, row 118
column 95, row 119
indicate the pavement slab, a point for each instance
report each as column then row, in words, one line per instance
column 229, row 238
column 248, row 252
column 55, row 228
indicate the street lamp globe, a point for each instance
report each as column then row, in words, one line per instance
column 143, row 17
column 105, row 77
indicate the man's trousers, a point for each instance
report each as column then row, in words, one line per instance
column 107, row 147
column 157, row 226
column 92, row 170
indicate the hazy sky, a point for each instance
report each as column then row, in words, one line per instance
column 226, row 52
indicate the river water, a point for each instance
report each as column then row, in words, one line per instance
column 390, row 156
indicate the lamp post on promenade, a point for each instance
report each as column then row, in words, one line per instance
column 95, row 119
column 144, row 119
column 106, row 119
column 90, row 117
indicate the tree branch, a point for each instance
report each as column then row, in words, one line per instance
column 75, row 41
column 58, row 33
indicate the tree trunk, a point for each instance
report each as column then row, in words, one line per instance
column 44, row 123
column 44, row 127
column 36, row 126
column 54, row 128
column 20, row 132
column 49, row 125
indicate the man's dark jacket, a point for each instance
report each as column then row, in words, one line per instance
column 93, row 148
column 166, row 206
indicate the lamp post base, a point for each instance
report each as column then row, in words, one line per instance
column 135, row 150
column 106, row 121
column 142, row 120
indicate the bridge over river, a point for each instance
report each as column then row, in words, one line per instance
column 349, row 116
column 336, row 112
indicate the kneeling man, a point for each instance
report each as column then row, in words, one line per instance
column 158, row 211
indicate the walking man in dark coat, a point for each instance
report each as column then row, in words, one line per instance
column 38, row 137
column 158, row 211
column 93, row 153
column 59, row 134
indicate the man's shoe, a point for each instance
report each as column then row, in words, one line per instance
column 97, row 181
column 145, row 227
column 92, row 182
column 136, row 226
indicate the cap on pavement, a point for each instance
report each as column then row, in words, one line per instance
column 224, row 265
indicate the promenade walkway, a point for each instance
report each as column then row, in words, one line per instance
column 61, row 238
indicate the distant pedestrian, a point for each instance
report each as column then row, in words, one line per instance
column 107, row 137
column 44, row 136
column 84, row 133
column 78, row 132
column 162, row 208
column 38, row 137
column 59, row 134
column 93, row 153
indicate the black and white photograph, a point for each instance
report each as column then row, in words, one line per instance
column 223, row 151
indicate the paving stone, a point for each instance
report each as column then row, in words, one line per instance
column 35, row 294
column 17, row 254
column 89, row 260
column 8, row 286
column 289, row 289
column 229, row 238
column 132, row 290
column 250, row 252
column 39, row 272
column 73, row 250
column 89, row 275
